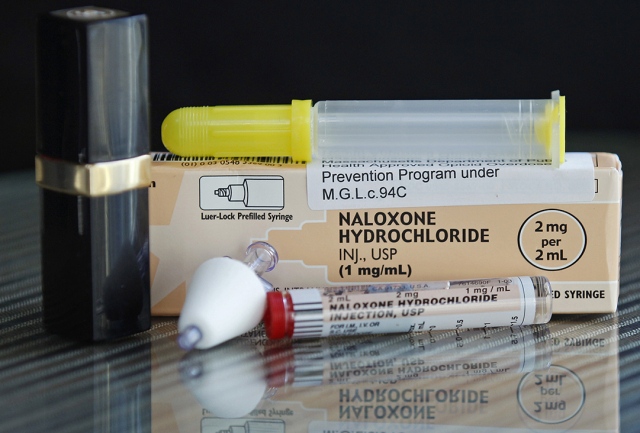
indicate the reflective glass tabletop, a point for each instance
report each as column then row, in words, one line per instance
column 579, row 373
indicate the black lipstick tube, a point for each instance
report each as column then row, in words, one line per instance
column 93, row 167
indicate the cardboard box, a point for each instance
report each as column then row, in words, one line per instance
column 512, row 225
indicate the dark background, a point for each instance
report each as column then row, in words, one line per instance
column 266, row 52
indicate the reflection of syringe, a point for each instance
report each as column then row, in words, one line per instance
column 262, row 192
column 230, row 380
column 469, row 352
column 477, row 129
column 226, row 298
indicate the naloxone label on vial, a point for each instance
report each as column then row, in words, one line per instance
column 352, row 310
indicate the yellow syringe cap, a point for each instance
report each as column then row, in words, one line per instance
column 240, row 131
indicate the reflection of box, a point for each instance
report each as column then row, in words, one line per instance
column 206, row 208
column 580, row 391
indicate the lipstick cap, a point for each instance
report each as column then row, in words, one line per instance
column 93, row 166
column 92, row 85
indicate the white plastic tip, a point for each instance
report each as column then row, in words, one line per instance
column 189, row 338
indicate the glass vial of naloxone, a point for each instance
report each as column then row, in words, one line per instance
column 407, row 307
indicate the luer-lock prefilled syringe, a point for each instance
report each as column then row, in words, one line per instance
column 403, row 129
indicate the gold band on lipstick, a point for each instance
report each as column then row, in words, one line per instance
column 93, row 180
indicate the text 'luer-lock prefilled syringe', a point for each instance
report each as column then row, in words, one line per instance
column 402, row 129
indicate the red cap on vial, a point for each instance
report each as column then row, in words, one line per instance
column 280, row 365
column 275, row 317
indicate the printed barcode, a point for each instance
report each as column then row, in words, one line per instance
column 170, row 157
column 308, row 320
column 309, row 372
column 307, row 309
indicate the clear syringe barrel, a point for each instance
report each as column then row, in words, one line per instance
column 410, row 129
column 452, row 129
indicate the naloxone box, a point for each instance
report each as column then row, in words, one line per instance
column 336, row 223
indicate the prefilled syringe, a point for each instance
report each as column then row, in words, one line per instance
column 403, row 129
column 384, row 308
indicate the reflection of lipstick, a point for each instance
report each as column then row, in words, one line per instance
column 473, row 352
column 93, row 168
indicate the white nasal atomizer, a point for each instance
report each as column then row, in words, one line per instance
column 226, row 298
